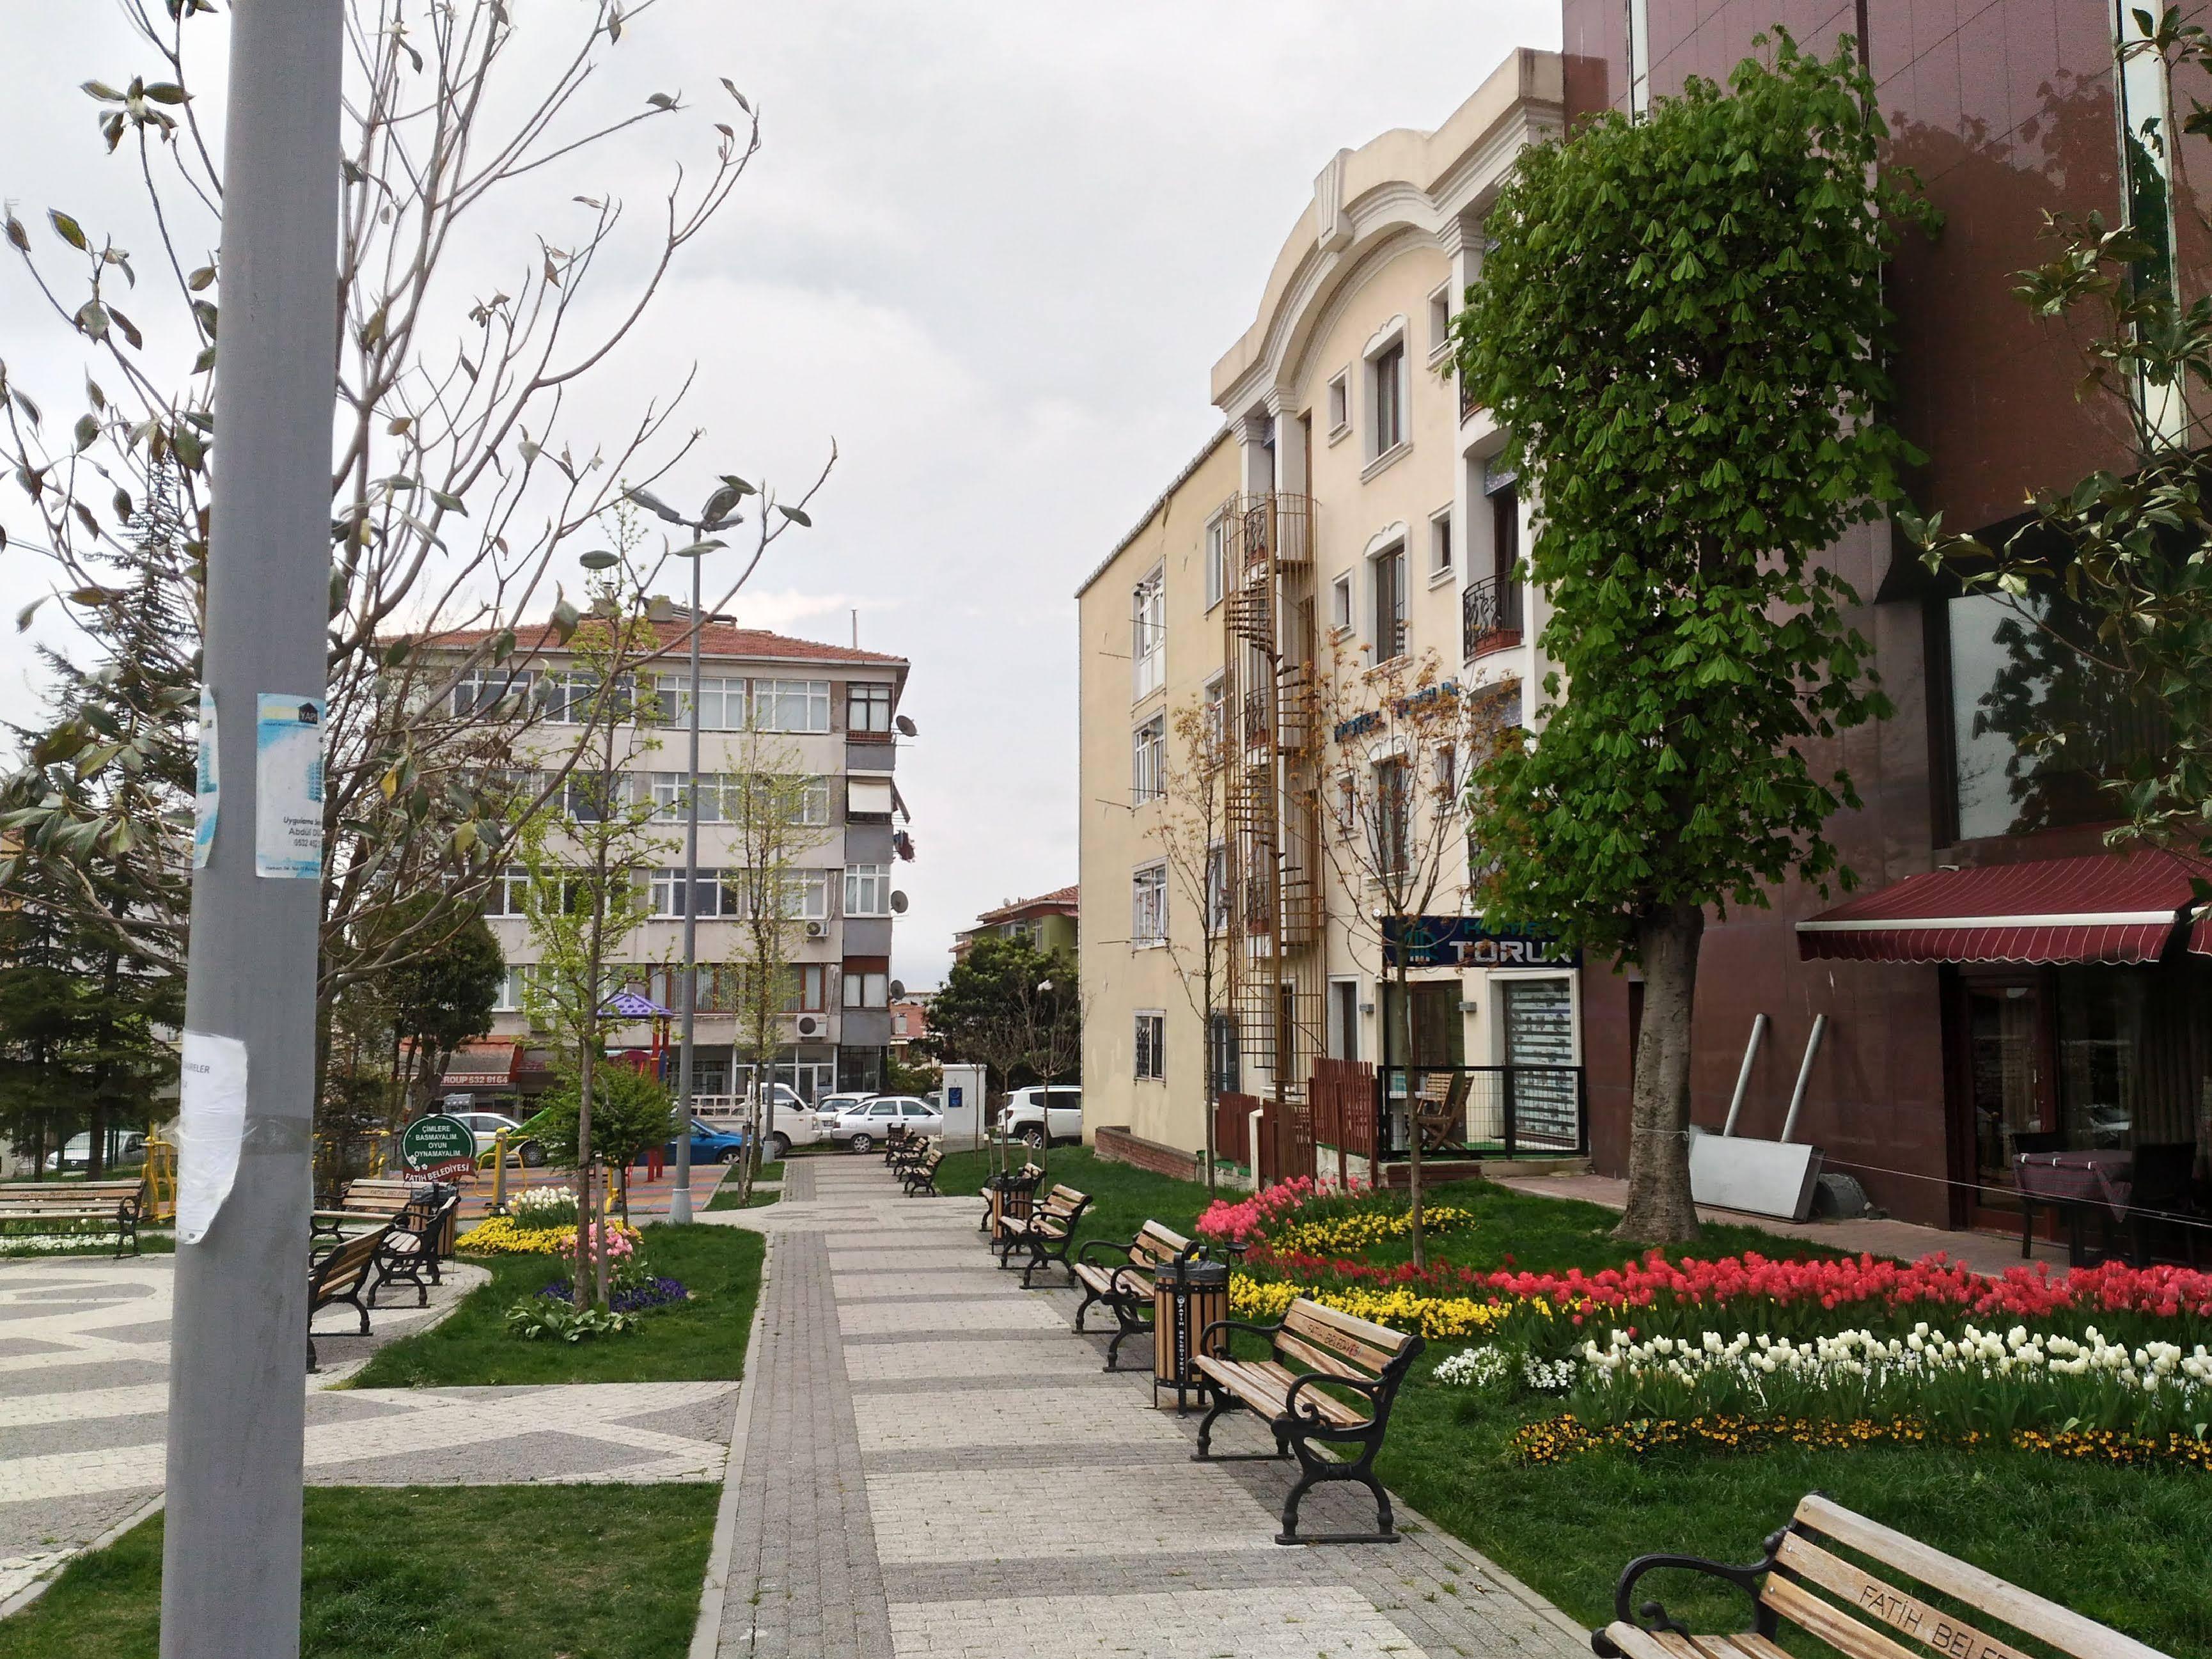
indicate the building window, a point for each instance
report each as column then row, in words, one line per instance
column 1216, row 887
column 1148, row 634
column 716, row 893
column 1339, row 404
column 1393, row 826
column 868, row 708
column 1386, row 375
column 1440, row 545
column 1217, row 560
column 1440, row 321
column 813, row 801
column 1222, row 1056
column 2147, row 137
column 867, row 984
column 509, row 888
column 1339, row 601
column 868, row 889
column 1639, row 21
column 806, row 894
column 1214, row 712
column 721, row 703
column 1148, row 761
column 589, row 797
column 1152, row 1064
column 791, row 705
column 479, row 690
column 1389, row 589
column 1148, row 906
column 514, row 987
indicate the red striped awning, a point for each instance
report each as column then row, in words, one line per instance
column 2108, row 906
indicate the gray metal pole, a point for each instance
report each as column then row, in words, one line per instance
column 230, row 1577
column 679, row 1201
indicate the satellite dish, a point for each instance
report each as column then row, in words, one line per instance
column 598, row 559
column 905, row 726
column 899, row 903
column 898, row 987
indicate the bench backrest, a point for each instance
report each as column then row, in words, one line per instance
column 1876, row 1610
column 1341, row 1343
column 1061, row 1202
column 932, row 1157
column 340, row 1272
column 380, row 1194
column 69, row 1194
column 1155, row 1247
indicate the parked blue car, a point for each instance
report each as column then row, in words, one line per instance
column 710, row 1144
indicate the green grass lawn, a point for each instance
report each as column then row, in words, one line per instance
column 429, row 1572
column 703, row 1341
column 725, row 1195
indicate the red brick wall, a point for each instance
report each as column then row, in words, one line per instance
column 1120, row 1146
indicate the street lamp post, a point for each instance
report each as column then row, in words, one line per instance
column 719, row 513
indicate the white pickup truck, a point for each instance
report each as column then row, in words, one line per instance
column 1037, row 1115
column 794, row 1124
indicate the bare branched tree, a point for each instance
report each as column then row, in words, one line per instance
column 1395, row 837
column 1190, row 831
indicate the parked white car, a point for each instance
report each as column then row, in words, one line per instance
column 793, row 1124
column 484, row 1125
column 1039, row 1116
column 129, row 1148
column 868, row 1123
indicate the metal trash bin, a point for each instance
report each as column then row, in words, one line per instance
column 1186, row 1298
column 1012, row 1195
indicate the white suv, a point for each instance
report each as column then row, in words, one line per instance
column 1039, row 1116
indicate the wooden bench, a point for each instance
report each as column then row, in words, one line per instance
column 1440, row 1109
column 339, row 1277
column 1306, row 1410
column 410, row 1244
column 117, row 1203
column 1124, row 1287
column 895, row 1145
column 920, row 1179
column 380, row 1198
column 1047, row 1233
column 1862, row 1616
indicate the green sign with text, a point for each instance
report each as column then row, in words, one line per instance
column 435, row 1141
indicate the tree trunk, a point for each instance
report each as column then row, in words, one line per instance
column 1413, row 1113
column 1660, row 1210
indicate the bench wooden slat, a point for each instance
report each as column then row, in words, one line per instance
column 1320, row 1359
column 1267, row 1387
column 1372, row 1344
column 2022, row 1610
column 1906, row 1613
column 1838, row 1629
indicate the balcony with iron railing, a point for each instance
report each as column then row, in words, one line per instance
column 1490, row 616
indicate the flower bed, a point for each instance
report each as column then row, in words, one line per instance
column 501, row 1235
column 641, row 1297
column 1438, row 1318
column 1560, row 1437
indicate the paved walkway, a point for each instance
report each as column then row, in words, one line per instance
column 936, row 1468
column 1984, row 1252
column 84, row 1399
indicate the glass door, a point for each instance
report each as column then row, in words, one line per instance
column 2009, row 1084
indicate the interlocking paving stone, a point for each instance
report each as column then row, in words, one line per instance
column 1002, row 1313
column 1331, row 1620
column 937, row 1466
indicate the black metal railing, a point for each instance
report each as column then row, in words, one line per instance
column 1509, row 1111
column 1489, row 616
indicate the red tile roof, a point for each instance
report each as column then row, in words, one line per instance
column 1059, row 898
column 715, row 639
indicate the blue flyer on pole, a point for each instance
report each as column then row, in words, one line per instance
column 208, row 795
column 288, row 778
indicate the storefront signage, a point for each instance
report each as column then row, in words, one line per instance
column 1471, row 942
column 437, row 1144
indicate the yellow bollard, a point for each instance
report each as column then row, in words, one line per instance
column 499, row 1172
column 161, row 1177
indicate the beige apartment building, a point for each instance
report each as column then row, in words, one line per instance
column 1350, row 511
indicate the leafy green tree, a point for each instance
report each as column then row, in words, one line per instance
column 2108, row 677
column 629, row 1115
column 441, row 994
column 1681, row 326
column 1013, row 1009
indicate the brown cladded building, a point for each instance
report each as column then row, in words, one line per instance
column 2062, row 1006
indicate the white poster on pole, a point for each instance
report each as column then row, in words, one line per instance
column 288, row 779
column 212, row 1100
column 208, row 796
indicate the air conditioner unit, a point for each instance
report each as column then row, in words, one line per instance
column 810, row 1025
column 816, row 929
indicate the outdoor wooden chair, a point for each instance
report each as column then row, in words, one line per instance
column 1440, row 1109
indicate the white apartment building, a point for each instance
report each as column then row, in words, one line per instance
column 835, row 710
column 1349, row 465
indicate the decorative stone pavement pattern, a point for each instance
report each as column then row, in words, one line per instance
column 84, row 1397
column 937, row 1468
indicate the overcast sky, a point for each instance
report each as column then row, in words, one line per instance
column 993, row 248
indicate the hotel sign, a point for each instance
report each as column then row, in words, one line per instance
column 1471, row 942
